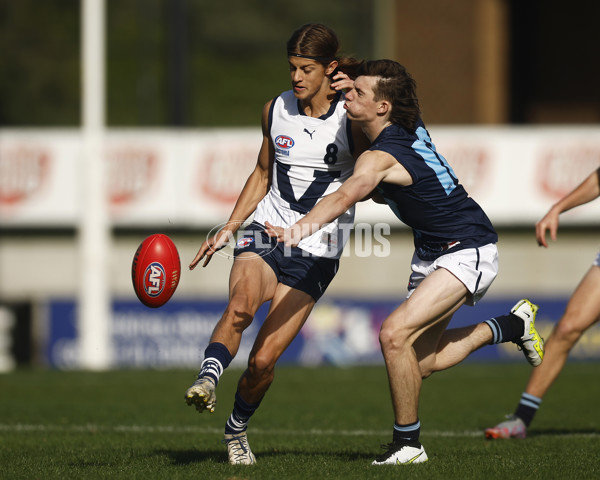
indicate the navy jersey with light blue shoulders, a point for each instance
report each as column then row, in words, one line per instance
column 436, row 206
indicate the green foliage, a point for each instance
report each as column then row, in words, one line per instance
column 314, row 423
column 168, row 62
column 39, row 84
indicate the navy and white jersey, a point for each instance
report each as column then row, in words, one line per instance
column 435, row 206
column 313, row 157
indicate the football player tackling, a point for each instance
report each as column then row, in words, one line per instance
column 308, row 150
column 455, row 258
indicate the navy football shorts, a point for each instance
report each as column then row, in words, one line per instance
column 293, row 266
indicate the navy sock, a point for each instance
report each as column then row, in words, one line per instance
column 506, row 328
column 407, row 433
column 240, row 416
column 527, row 408
column 216, row 359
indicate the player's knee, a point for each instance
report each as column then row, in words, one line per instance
column 392, row 338
column 568, row 330
column 262, row 364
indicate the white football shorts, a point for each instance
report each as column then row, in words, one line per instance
column 476, row 268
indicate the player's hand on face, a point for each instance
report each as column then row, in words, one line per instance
column 341, row 81
column 210, row 246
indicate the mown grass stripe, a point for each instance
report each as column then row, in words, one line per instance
column 24, row 428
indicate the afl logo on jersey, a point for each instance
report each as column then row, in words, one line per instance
column 283, row 141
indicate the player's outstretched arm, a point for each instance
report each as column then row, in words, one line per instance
column 254, row 190
column 371, row 168
column 211, row 246
column 587, row 191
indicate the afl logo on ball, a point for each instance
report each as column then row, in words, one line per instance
column 154, row 279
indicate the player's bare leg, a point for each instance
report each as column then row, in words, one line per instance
column 288, row 312
column 252, row 282
column 456, row 344
column 409, row 338
column 433, row 302
column 583, row 311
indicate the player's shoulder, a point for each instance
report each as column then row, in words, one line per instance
column 283, row 104
column 269, row 108
column 287, row 97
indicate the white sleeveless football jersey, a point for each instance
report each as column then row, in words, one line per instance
column 312, row 159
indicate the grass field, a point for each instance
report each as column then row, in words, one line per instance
column 313, row 424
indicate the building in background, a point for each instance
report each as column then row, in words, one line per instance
column 508, row 89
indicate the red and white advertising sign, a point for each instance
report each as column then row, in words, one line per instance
column 38, row 178
column 193, row 178
column 139, row 179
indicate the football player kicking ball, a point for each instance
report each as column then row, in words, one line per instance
column 583, row 311
column 455, row 258
column 308, row 150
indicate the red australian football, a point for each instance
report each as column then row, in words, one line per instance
column 156, row 270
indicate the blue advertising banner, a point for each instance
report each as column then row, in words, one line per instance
column 339, row 331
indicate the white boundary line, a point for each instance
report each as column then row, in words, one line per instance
column 94, row 428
